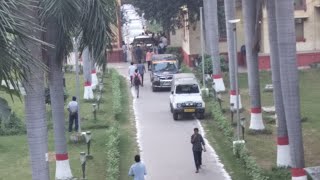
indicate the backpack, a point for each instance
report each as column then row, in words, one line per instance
column 136, row 80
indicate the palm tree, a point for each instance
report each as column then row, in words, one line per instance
column 251, row 13
column 290, row 84
column 61, row 25
column 283, row 148
column 213, row 37
column 88, row 93
column 230, row 11
column 35, row 108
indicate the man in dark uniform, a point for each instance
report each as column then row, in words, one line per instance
column 197, row 144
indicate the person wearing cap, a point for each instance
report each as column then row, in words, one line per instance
column 73, row 114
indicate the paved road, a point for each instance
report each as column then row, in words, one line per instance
column 165, row 143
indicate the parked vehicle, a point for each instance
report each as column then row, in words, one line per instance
column 185, row 97
column 163, row 67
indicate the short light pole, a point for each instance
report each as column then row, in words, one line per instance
column 219, row 98
column 83, row 165
column 214, row 90
column 232, row 112
column 94, row 107
column 88, row 141
column 243, row 125
column 98, row 99
column 100, row 87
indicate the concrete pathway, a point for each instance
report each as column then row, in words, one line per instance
column 164, row 143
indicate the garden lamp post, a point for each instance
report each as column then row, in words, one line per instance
column 219, row 97
column 88, row 136
column 98, row 99
column 214, row 91
column 242, row 122
column 94, row 107
column 100, row 86
column 83, row 165
column 231, row 112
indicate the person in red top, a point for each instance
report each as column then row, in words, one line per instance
column 137, row 81
column 149, row 57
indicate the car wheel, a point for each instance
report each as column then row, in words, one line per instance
column 154, row 89
column 200, row 116
column 175, row 116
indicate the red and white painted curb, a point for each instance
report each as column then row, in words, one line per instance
column 63, row 170
column 218, row 83
column 94, row 78
column 283, row 152
column 298, row 174
column 256, row 122
column 233, row 99
column 88, row 93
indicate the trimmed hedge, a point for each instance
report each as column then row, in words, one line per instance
column 252, row 168
column 116, row 92
column 113, row 153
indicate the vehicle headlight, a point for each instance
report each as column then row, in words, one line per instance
column 156, row 78
column 199, row 104
column 179, row 105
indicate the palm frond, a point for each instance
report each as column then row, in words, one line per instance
column 97, row 20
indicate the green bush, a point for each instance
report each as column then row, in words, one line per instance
column 116, row 92
column 113, row 153
column 249, row 163
column 176, row 51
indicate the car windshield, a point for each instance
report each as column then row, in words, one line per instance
column 187, row 89
column 164, row 66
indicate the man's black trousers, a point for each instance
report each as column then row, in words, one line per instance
column 73, row 117
column 197, row 155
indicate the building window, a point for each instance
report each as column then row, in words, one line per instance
column 300, row 4
column 299, row 30
column 222, row 21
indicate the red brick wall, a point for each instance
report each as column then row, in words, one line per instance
column 114, row 56
column 304, row 59
column 188, row 58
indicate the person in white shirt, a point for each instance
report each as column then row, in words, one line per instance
column 131, row 71
column 73, row 114
column 138, row 169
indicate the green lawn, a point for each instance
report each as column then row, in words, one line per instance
column 263, row 147
column 14, row 149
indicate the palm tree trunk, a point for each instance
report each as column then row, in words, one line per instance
column 35, row 108
column 290, row 84
column 88, row 93
column 63, row 171
column 230, row 11
column 213, row 37
column 94, row 77
column 283, row 148
column 250, row 18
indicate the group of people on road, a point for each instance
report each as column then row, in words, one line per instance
column 138, row 169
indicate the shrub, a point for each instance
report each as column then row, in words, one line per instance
column 116, row 92
column 113, row 153
column 176, row 51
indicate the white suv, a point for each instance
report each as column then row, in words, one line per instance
column 185, row 97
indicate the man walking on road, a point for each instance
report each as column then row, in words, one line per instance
column 149, row 58
column 131, row 70
column 141, row 69
column 137, row 81
column 138, row 169
column 73, row 114
column 197, row 144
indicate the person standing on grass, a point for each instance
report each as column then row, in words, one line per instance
column 141, row 69
column 138, row 169
column 131, row 70
column 197, row 144
column 149, row 57
column 137, row 81
column 73, row 114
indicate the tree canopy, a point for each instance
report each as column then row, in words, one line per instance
column 167, row 12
